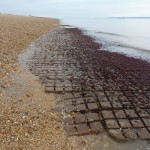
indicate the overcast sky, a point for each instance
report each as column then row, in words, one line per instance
column 76, row 8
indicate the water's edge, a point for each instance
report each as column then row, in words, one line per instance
column 115, row 42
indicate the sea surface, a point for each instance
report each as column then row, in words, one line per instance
column 130, row 36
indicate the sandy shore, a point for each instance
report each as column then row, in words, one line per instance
column 16, row 33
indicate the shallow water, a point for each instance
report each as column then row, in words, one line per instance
column 129, row 36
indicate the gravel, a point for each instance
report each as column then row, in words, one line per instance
column 16, row 33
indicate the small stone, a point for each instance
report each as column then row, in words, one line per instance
column 23, row 117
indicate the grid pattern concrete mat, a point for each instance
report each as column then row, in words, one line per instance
column 97, row 90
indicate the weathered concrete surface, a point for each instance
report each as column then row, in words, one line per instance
column 96, row 90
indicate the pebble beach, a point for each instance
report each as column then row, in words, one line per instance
column 59, row 89
column 16, row 33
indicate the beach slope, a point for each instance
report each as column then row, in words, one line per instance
column 16, row 33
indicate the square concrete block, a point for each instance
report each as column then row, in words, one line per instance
column 80, row 118
column 117, row 134
column 130, row 134
column 77, row 89
column 131, row 113
column 112, row 124
column 81, row 107
column 127, row 104
column 124, row 123
column 137, row 123
column 49, row 89
column 69, row 101
column 119, row 114
column 96, row 127
column 106, row 105
column 143, row 113
column 147, row 121
column 102, row 97
column 92, row 106
column 77, row 94
column 68, row 121
column 92, row 117
column 79, row 100
column 70, row 108
column 70, row 130
column 83, row 129
column 143, row 133
column 68, row 96
column 116, row 105
column 90, row 99
column 59, row 89
column 49, row 84
column 108, row 114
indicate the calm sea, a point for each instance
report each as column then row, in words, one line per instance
column 129, row 36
